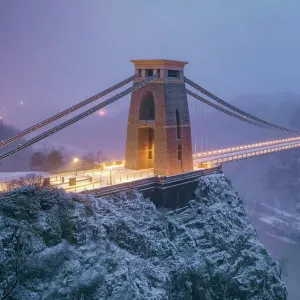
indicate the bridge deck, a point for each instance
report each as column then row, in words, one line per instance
column 245, row 147
column 157, row 182
column 244, row 154
column 117, row 177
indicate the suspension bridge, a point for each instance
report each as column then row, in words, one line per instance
column 158, row 144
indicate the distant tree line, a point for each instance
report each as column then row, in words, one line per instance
column 55, row 159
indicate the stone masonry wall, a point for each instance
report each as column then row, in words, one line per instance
column 167, row 98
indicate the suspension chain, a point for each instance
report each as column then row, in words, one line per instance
column 79, row 117
column 245, row 114
column 219, row 108
column 67, row 111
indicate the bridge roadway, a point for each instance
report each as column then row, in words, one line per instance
column 247, row 153
column 106, row 179
column 95, row 179
column 118, row 175
column 245, row 147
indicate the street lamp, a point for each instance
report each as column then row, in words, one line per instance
column 110, row 179
column 75, row 160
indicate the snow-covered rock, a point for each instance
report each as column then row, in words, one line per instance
column 69, row 246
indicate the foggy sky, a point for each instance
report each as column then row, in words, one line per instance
column 56, row 53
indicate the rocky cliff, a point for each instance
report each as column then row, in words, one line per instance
column 55, row 245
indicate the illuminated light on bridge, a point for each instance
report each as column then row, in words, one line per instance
column 249, row 146
column 248, row 153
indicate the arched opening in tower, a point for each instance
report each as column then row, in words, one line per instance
column 151, row 148
column 179, row 152
column 178, row 124
column 147, row 107
column 146, row 147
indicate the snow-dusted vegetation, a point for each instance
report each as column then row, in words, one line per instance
column 56, row 245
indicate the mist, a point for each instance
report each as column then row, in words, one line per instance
column 54, row 54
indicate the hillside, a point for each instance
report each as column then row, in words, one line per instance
column 69, row 246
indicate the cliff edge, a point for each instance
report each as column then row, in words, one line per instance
column 55, row 245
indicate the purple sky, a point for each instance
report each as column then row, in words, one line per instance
column 56, row 53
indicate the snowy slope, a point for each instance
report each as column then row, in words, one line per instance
column 122, row 247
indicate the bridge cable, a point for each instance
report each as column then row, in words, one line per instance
column 268, row 124
column 78, row 117
column 67, row 111
column 219, row 108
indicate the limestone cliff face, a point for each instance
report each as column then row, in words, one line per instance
column 56, row 245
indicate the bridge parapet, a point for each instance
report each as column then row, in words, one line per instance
column 170, row 71
column 161, row 189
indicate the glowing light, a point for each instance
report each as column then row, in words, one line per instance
column 21, row 102
column 75, row 160
column 101, row 113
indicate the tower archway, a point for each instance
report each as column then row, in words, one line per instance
column 178, row 124
column 146, row 144
column 147, row 107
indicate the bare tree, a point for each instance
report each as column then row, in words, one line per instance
column 282, row 267
column 38, row 161
column 100, row 156
column 30, row 179
column 88, row 159
column 55, row 159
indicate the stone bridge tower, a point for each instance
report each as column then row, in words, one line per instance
column 159, row 132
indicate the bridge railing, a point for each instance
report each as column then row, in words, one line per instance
column 156, row 179
column 245, row 147
column 185, row 175
column 110, row 181
column 250, row 154
column 95, row 166
column 123, row 186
